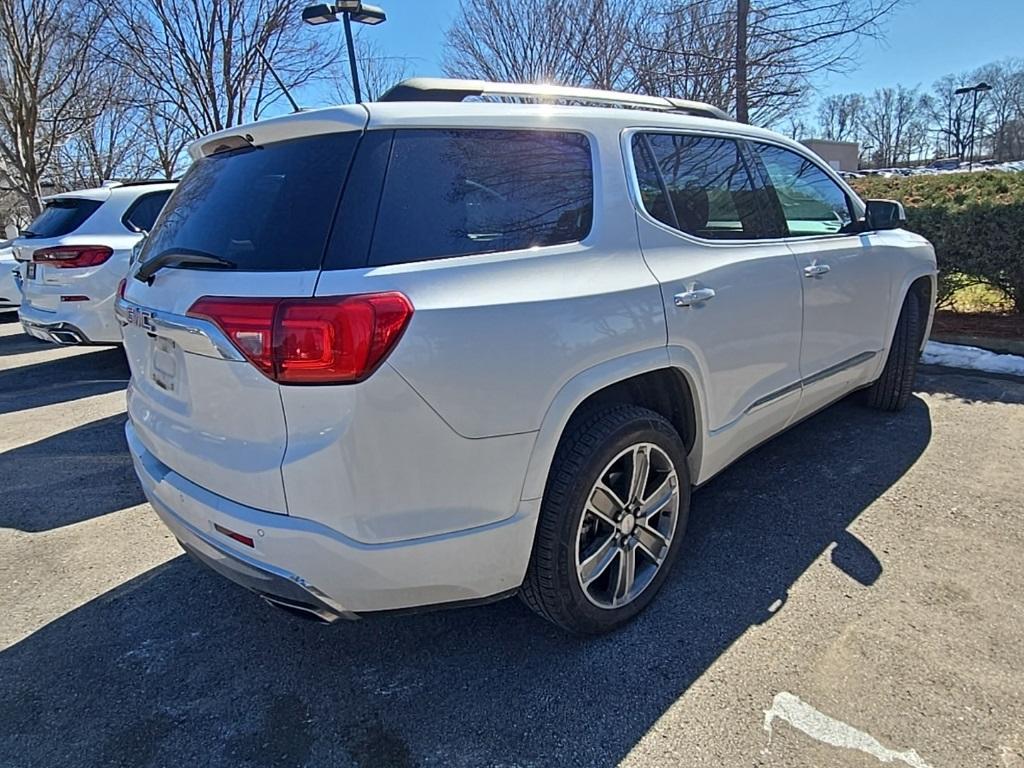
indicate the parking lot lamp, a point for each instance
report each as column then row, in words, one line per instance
column 980, row 88
column 350, row 10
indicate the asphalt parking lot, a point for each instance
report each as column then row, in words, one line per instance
column 851, row 594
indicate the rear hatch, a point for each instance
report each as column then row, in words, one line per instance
column 54, row 227
column 264, row 202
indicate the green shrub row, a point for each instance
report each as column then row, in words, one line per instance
column 974, row 220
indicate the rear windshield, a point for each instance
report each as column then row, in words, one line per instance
column 266, row 208
column 61, row 216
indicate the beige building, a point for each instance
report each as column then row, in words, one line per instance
column 841, row 155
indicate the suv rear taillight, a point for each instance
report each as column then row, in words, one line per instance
column 328, row 340
column 68, row 256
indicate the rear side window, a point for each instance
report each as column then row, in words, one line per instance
column 265, row 208
column 812, row 203
column 61, row 216
column 142, row 214
column 458, row 192
column 701, row 185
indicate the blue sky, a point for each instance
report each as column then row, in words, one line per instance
column 925, row 39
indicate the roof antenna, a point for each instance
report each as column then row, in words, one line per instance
column 278, row 80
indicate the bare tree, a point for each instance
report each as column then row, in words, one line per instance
column 951, row 115
column 1002, row 123
column 795, row 39
column 201, row 57
column 896, row 122
column 52, row 84
column 377, row 71
column 758, row 59
column 165, row 138
column 839, row 117
column 687, row 52
column 515, row 40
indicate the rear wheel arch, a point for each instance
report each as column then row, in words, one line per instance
column 665, row 388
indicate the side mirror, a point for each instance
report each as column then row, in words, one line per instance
column 884, row 214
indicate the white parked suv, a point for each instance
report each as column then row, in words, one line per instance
column 10, row 295
column 75, row 254
column 432, row 351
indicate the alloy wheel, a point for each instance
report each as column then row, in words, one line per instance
column 627, row 526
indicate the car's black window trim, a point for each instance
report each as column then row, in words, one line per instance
column 127, row 215
column 648, row 152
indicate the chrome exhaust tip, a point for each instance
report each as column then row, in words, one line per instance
column 65, row 337
column 307, row 612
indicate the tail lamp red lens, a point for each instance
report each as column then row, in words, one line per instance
column 328, row 340
column 69, row 256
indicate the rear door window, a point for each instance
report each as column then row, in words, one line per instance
column 142, row 214
column 61, row 216
column 458, row 192
column 701, row 185
column 264, row 208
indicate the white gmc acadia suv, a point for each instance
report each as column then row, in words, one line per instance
column 76, row 252
column 431, row 351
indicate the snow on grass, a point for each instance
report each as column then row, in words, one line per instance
column 958, row 356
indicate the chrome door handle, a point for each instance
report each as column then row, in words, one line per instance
column 816, row 270
column 694, row 297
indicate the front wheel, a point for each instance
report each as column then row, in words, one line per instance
column 892, row 390
column 612, row 520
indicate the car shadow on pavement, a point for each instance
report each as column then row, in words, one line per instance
column 17, row 343
column 970, row 386
column 179, row 667
column 63, row 379
column 75, row 475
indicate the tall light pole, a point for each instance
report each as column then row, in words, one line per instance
column 350, row 10
column 976, row 90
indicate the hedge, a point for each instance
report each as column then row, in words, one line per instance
column 974, row 220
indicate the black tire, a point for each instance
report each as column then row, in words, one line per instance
column 892, row 390
column 592, row 440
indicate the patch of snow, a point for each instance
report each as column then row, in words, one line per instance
column 959, row 356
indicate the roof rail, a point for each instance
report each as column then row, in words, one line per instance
column 112, row 183
column 445, row 89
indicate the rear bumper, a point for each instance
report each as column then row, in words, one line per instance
column 78, row 326
column 304, row 565
column 10, row 291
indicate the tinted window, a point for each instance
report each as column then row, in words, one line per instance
column 267, row 208
column 700, row 185
column 61, row 216
column 142, row 214
column 457, row 192
column 812, row 203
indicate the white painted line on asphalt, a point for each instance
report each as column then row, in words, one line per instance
column 805, row 718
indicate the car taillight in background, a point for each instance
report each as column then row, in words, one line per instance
column 328, row 340
column 68, row 256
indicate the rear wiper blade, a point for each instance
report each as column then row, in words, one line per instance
column 178, row 257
